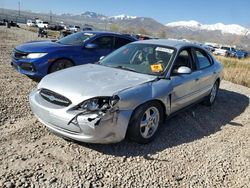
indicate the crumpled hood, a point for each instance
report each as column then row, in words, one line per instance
column 39, row 46
column 86, row 81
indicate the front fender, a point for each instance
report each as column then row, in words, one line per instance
column 154, row 90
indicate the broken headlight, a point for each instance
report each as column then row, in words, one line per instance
column 98, row 103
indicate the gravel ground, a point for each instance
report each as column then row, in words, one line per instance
column 201, row 147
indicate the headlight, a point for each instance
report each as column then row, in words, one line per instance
column 36, row 55
column 98, row 103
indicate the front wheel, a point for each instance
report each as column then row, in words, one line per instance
column 145, row 122
column 60, row 64
column 213, row 94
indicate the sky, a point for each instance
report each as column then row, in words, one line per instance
column 164, row 11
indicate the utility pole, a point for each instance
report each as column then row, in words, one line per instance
column 50, row 16
column 18, row 8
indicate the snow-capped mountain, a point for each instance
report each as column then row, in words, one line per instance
column 225, row 29
column 123, row 17
column 93, row 15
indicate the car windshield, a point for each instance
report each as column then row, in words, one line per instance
column 141, row 58
column 76, row 38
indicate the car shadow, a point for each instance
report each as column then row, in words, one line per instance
column 37, row 80
column 190, row 125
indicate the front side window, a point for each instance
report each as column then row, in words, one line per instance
column 105, row 42
column 75, row 39
column 142, row 58
column 184, row 59
column 202, row 59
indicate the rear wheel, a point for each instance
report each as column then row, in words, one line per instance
column 60, row 64
column 145, row 122
column 212, row 96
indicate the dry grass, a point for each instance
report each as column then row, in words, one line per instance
column 236, row 70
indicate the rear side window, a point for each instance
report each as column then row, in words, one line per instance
column 203, row 60
column 105, row 42
column 119, row 42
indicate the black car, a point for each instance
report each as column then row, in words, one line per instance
column 55, row 27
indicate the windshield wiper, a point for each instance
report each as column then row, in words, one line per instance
column 125, row 68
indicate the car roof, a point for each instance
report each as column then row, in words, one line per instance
column 169, row 42
column 105, row 32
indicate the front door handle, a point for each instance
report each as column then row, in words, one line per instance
column 197, row 79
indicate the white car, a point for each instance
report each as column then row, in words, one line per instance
column 42, row 24
column 31, row 23
column 74, row 28
column 225, row 51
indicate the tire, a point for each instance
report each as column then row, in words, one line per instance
column 145, row 122
column 60, row 64
column 209, row 101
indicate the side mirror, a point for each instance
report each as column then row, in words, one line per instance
column 183, row 70
column 90, row 46
column 101, row 57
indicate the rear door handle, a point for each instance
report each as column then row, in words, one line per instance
column 197, row 79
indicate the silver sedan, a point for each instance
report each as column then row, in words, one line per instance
column 128, row 93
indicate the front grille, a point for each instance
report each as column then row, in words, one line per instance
column 54, row 98
column 19, row 55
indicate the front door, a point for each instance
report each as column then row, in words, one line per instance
column 104, row 46
column 183, row 84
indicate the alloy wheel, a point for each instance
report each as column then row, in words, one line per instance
column 149, row 122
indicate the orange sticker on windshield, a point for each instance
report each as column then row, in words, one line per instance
column 156, row 68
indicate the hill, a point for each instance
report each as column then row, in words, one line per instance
column 191, row 30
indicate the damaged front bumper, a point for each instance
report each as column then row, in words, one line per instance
column 110, row 127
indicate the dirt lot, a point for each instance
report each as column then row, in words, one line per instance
column 201, row 147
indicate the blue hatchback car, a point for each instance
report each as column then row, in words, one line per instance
column 38, row 58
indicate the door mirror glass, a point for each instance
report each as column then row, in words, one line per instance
column 183, row 70
column 90, row 46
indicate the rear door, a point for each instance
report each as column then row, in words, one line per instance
column 120, row 41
